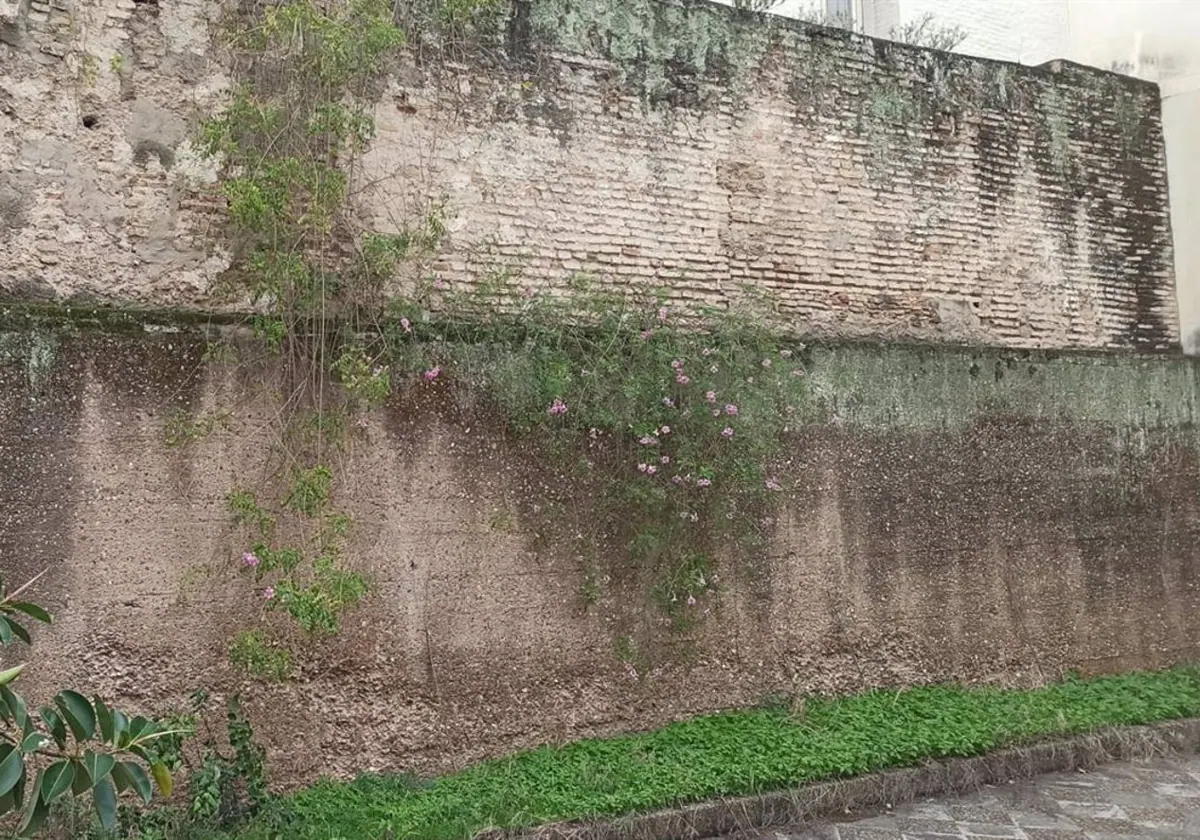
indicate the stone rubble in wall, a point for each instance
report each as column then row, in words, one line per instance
column 97, row 217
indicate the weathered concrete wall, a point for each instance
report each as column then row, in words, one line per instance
column 956, row 515
column 878, row 190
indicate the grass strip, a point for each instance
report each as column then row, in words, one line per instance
column 732, row 753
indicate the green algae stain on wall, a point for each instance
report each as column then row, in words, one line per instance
column 36, row 351
column 929, row 390
column 654, row 42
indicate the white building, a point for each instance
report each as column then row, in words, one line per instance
column 1158, row 40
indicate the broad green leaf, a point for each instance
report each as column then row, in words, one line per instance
column 18, row 792
column 83, row 782
column 54, row 723
column 138, row 779
column 15, row 705
column 6, row 633
column 56, row 780
column 104, row 719
column 78, row 713
column 120, row 726
column 140, row 726
column 33, row 611
column 121, row 778
column 12, row 764
column 19, row 631
column 98, row 765
column 105, row 800
column 8, row 802
column 34, row 742
column 11, row 674
column 36, row 812
column 162, row 778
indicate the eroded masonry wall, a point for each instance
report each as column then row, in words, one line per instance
column 877, row 190
column 949, row 515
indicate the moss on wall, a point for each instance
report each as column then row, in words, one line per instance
column 865, row 385
column 946, row 389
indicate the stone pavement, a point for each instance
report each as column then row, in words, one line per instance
column 1159, row 798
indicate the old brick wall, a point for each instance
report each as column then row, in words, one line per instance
column 877, row 190
column 949, row 515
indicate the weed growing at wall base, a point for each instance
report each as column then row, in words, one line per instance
column 729, row 754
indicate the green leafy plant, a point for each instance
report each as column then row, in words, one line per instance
column 310, row 490
column 182, row 428
column 732, row 753
column 294, row 125
column 305, row 582
column 225, row 778
column 661, row 433
column 253, row 652
column 366, row 380
column 246, row 511
column 77, row 746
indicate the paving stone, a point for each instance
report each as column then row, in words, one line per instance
column 1131, row 801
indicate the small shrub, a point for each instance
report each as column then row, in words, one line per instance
column 255, row 654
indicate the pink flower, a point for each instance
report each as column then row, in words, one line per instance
column 404, row 322
column 439, row 284
column 666, row 430
column 646, row 334
column 727, row 432
column 711, row 396
column 647, row 440
column 731, row 410
column 766, row 363
column 662, row 313
column 668, row 402
column 704, row 482
column 642, row 467
column 682, row 379
column 676, row 364
column 557, row 407
column 250, row 559
column 716, row 412
column 786, row 354
column 772, row 484
column 269, row 593
column 433, row 373
column 651, row 469
column 691, row 601
column 666, row 459
column 677, row 479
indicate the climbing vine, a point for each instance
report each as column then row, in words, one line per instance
column 658, row 432
column 661, row 431
column 287, row 144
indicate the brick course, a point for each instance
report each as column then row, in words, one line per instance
column 878, row 190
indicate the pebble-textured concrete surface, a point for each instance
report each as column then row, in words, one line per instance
column 1159, row 798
